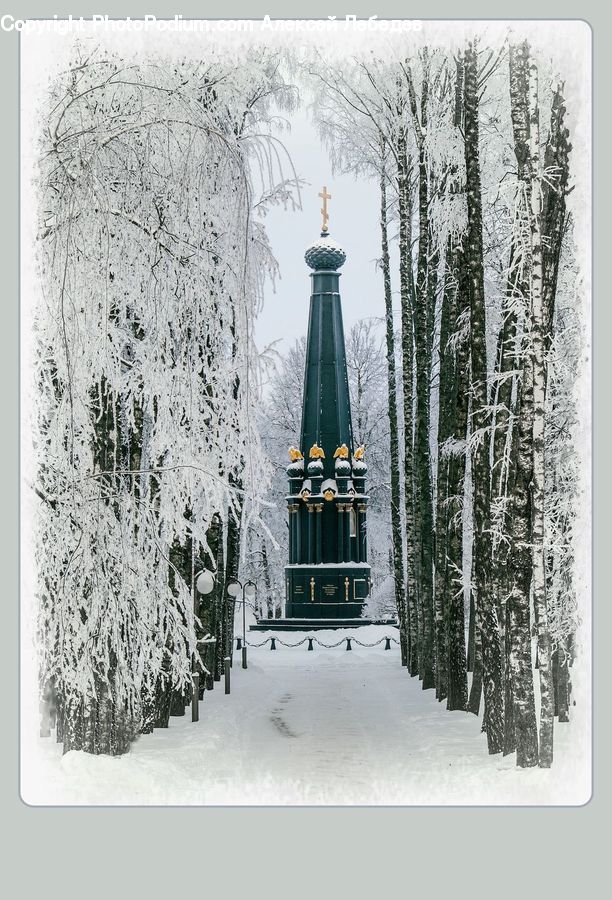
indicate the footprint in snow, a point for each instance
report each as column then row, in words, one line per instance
column 277, row 719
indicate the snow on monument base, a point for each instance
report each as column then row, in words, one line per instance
column 316, row 624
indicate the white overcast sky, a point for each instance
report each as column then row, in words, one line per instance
column 353, row 223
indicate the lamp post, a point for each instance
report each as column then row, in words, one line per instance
column 248, row 589
column 205, row 583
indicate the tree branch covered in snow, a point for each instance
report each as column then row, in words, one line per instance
column 152, row 266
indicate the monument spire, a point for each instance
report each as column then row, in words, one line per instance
column 328, row 575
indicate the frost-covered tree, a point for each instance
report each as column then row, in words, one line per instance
column 278, row 422
column 367, row 376
column 152, row 262
column 475, row 186
column 562, row 476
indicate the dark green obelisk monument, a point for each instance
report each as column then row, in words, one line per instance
column 328, row 576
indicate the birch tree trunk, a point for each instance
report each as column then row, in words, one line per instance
column 554, row 220
column 486, row 612
column 396, row 524
column 520, row 718
column 539, row 404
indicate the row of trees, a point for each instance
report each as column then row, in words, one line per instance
column 154, row 458
column 152, row 263
column 474, row 190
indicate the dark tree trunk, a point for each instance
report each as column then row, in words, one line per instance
column 561, row 681
column 509, row 725
column 231, row 574
column 178, row 701
column 486, row 611
column 406, row 291
column 218, row 608
column 471, row 652
column 207, row 609
column 267, row 580
column 148, row 712
column 554, row 214
column 422, row 331
column 521, row 718
column 456, row 655
column 476, row 686
column 442, row 586
column 180, row 557
column 163, row 698
column 59, row 723
column 554, row 219
column 514, row 568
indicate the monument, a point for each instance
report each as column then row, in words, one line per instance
column 327, row 576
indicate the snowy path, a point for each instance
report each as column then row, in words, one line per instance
column 302, row 727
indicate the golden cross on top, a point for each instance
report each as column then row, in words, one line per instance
column 324, row 197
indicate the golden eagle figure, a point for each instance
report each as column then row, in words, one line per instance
column 360, row 452
column 342, row 452
column 294, row 454
column 316, row 452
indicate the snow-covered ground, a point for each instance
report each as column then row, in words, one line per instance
column 321, row 727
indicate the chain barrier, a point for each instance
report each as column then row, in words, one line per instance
column 347, row 639
column 375, row 644
column 299, row 643
column 329, row 646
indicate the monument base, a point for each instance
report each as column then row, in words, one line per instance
column 326, row 590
